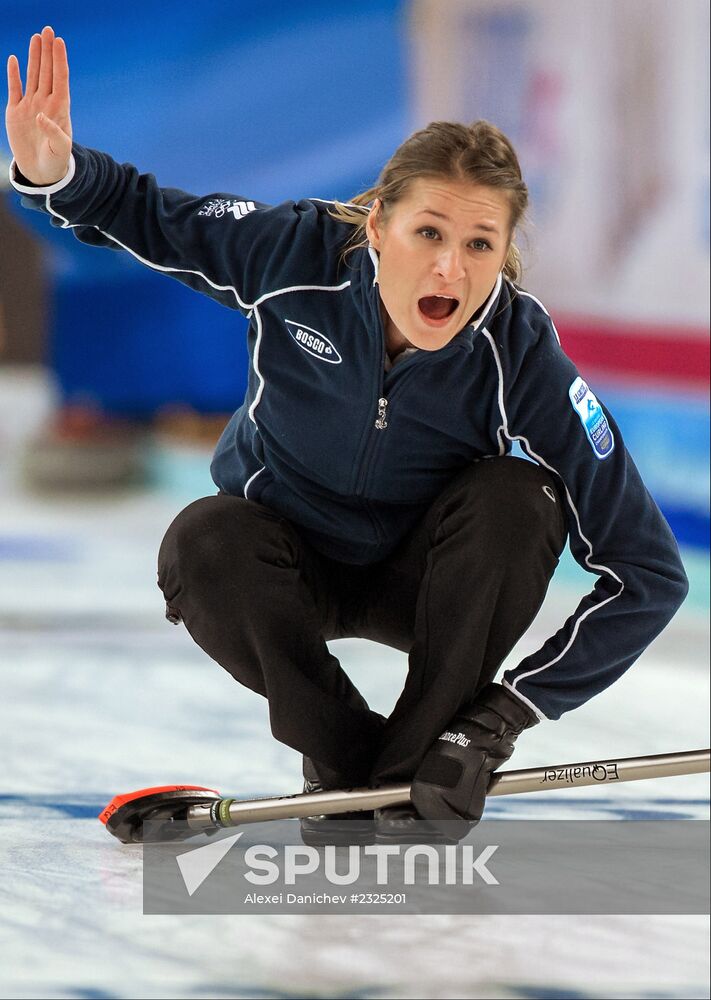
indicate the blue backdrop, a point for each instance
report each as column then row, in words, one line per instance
column 268, row 100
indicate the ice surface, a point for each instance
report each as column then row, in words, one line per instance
column 101, row 695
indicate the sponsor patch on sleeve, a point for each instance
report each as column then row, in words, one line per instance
column 592, row 418
column 218, row 207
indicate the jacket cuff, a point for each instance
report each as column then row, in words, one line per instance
column 25, row 186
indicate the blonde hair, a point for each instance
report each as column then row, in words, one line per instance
column 479, row 153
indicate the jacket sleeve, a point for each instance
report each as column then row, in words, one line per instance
column 225, row 246
column 616, row 530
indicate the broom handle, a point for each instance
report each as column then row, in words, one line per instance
column 231, row 812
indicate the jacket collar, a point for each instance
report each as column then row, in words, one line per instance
column 487, row 309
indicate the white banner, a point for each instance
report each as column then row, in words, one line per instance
column 607, row 104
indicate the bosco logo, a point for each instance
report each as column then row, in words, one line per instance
column 313, row 342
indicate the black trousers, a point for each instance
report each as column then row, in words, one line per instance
column 456, row 595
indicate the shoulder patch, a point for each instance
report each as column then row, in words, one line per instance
column 592, row 418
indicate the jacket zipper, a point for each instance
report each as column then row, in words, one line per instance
column 381, row 423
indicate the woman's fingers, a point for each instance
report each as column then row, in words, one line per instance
column 33, row 65
column 45, row 70
column 14, row 82
column 60, row 71
column 38, row 124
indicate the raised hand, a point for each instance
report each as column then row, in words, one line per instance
column 38, row 125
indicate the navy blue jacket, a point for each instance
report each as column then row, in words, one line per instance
column 353, row 456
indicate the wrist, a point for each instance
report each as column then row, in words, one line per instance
column 30, row 185
column 31, row 179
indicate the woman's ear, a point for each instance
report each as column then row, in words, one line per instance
column 372, row 224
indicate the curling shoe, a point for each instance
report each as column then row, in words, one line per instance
column 341, row 828
column 402, row 824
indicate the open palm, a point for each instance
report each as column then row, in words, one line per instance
column 38, row 125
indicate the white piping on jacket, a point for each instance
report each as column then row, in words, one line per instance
column 255, row 358
column 251, row 480
column 252, row 308
column 483, row 312
column 520, row 291
column 373, row 254
column 155, row 267
column 504, row 430
column 49, row 188
column 301, row 288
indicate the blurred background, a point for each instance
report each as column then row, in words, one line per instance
column 607, row 106
column 115, row 383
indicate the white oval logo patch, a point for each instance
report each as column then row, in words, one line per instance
column 592, row 417
column 313, row 342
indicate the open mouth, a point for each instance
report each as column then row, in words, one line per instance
column 437, row 308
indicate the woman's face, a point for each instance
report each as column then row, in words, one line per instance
column 441, row 248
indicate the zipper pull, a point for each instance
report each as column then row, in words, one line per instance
column 381, row 423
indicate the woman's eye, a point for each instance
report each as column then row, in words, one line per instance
column 480, row 244
column 429, row 233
